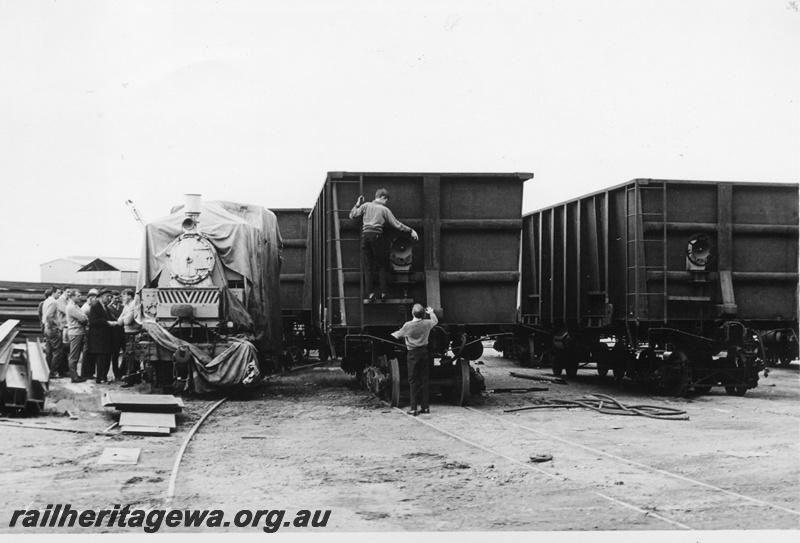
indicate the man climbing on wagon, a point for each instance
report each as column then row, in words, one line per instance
column 416, row 333
column 375, row 214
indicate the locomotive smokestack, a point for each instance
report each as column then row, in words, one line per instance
column 191, row 204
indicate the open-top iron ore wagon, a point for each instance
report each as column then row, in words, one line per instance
column 465, row 266
column 298, row 331
column 681, row 283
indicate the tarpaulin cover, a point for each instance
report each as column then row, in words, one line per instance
column 247, row 241
column 237, row 365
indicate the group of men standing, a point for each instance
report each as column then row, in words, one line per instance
column 89, row 334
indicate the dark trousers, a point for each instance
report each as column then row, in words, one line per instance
column 418, row 369
column 129, row 363
column 63, row 365
column 102, row 361
column 55, row 346
column 75, row 350
column 373, row 246
column 115, row 369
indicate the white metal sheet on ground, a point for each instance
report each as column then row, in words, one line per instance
column 119, row 455
column 145, row 430
column 161, row 403
column 159, row 420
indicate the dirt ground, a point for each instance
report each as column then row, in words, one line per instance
column 311, row 440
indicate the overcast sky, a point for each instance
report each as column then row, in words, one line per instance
column 101, row 102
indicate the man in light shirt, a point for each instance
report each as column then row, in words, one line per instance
column 52, row 333
column 76, row 333
column 416, row 333
column 130, row 366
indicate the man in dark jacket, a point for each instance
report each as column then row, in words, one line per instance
column 114, row 311
column 101, row 336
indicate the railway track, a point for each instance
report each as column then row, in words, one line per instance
column 637, row 497
column 586, row 485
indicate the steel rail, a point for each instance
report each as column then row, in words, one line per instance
column 534, row 468
column 176, row 465
column 638, row 464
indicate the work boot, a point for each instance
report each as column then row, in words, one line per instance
column 412, row 412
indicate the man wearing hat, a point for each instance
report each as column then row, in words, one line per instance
column 100, row 337
column 87, row 366
column 373, row 245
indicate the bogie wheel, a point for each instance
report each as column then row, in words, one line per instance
column 394, row 382
column 459, row 393
column 571, row 369
column 678, row 366
column 531, row 352
column 736, row 391
column 550, row 359
column 570, row 365
column 284, row 361
column 296, row 353
column 600, row 355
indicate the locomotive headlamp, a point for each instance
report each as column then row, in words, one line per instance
column 189, row 224
column 401, row 251
column 700, row 252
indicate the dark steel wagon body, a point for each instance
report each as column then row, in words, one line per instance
column 465, row 266
column 295, row 286
column 680, row 282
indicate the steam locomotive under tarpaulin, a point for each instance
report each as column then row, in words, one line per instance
column 208, row 295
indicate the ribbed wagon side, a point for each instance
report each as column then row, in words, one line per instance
column 465, row 266
column 685, row 283
column 295, row 286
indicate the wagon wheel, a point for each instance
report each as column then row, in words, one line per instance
column 394, row 382
column 296, row 353
column 570, row 364
column 679, row 374
column 459, row 393
column 324, row 352
column 785, row 360
column 284, row 361
column 531, row 360
column 601, row 355
column 550, row 359
column 738, row 359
